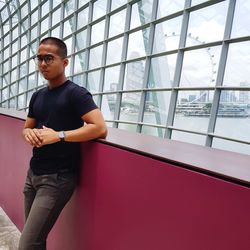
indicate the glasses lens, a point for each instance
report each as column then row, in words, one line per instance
column 48, row 59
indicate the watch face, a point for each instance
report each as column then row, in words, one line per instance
column 61, row 135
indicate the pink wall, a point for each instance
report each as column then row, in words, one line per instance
column 126, row 201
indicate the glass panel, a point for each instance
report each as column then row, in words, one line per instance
column 68, row 27
column 233, row 115
column 33, row 33
column 81, row 40
column 93, row 81
column 156, row 107
column 117, row 23
column 14, row 61
column 141, row 13
column 14, row 46
column 22, row 85
column 33, row 4
column 68, row 68
column 45, row 8
column 6, row 40
column 45, row 25
column 14, row 75
column 15, row 33
column 13, row 90
column 134, row 74
column 68, row 43
column 241, row 19
column 21, row 101
column 111, row 78
column 167, row 7
column 82, row 2
column 24, row 40
column 23, row 70
column 195, row 2
column 6, row 53
column 97, row 32
column 31, row 81
column 96, row 57
column 80, row 65
column 117, row 3
column 138, row 44
column 231, row 146
column 34, row 18
column 12, row 103
column 207, row 24
column 237, row 66
column 200, row 67
column 108, row 106
column 115, row 45
column 32, row 66
column 188, row 137
column 6, row 67
column 128, row 127
column 167, row 35
column 193, row 110
column 148, row 130
column 130, row 106
column 69, row 7
column 56, row 2
column 161, row 74
column 56, row 17
column 24, row 25
column 24, row 11
column 56, row 32
column 99, row 9
column 82, row 18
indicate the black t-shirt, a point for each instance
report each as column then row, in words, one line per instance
column 59, row 108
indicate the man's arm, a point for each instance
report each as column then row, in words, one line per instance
column 30, row 134
column 94, row 127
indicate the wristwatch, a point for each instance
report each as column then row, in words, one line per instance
column 61, row 135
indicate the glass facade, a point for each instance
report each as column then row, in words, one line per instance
column 175, row 69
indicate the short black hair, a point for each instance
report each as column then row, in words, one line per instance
column 62, row 48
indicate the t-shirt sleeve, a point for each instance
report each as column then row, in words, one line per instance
column 31, row 105
column 82, row 101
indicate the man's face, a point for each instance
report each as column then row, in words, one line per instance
column 49, row 62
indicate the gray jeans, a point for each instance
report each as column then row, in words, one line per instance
column 44, row 198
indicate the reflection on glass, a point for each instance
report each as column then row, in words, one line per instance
column 82, row 18
column 167, row 35
column 134, row 74
column 207, row 24
column 234, row 114
column 241, row 18
column 148, row 130
column 200, row 67
column 161, row 72
column 108, row 106
column 167, row 7
column 99, row 9
column 97, row 32
column 130, row 106
column 141, row 13
column 79, row 65
column 68, row 28
column 188, row 137
column 95, row 56
column 193, row 110
column 237, row 66
column 156, row 107
column 138, row 44
column 231, row 146
column 117, row 23
column 93, row 81
column 81, row 40
column 111, row 78
column 114, row 46
column 69, row 7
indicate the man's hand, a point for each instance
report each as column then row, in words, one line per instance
column 33, row 137
column 48, row 135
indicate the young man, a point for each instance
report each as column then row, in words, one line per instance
column 60, row 116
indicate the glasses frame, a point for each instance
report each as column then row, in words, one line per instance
column 48, row 59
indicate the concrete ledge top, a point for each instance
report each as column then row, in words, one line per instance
column 228, row 165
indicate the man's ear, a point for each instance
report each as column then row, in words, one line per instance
column 65, row 62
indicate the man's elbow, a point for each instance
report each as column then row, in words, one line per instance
column 103, row 132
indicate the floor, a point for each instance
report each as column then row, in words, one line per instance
column 9, row 234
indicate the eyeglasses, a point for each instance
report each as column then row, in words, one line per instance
column 48, row 59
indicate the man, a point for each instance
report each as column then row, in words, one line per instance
column 60, row 116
